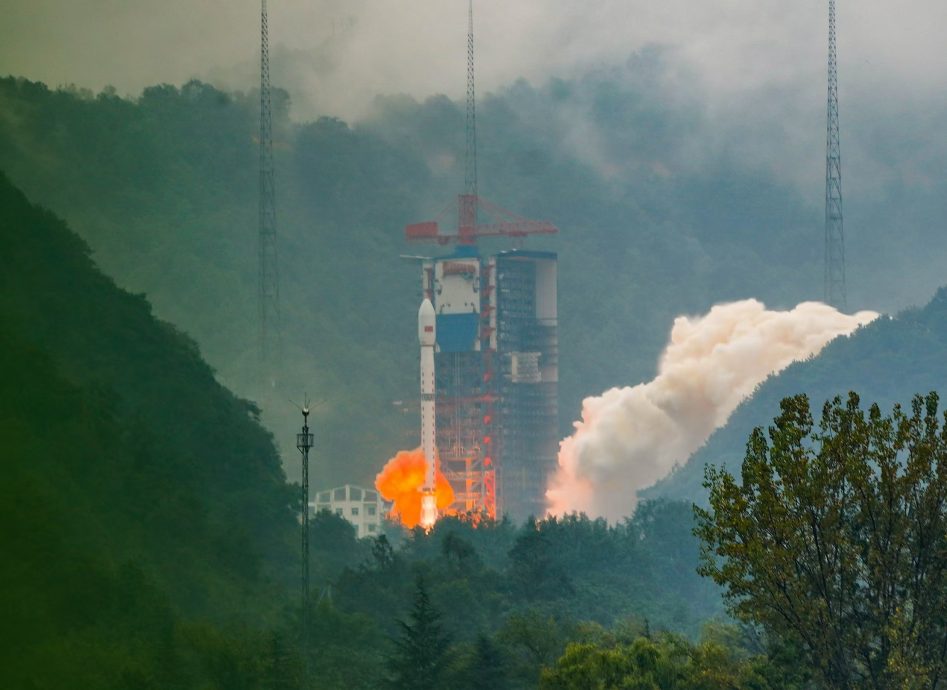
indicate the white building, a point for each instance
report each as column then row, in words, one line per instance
column 362, row 507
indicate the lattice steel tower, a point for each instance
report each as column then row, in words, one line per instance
column 470, row 172
column 468, row 200
column 268, row 289
column 304, row 442
column 834, row 235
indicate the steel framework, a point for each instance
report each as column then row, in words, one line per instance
column 834, row 235
column 268, row 284
column 475, row 403
column 304, row 442
column 470, row 171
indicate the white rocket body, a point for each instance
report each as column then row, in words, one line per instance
column 427, row 336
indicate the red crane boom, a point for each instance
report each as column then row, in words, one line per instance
column 470, row 208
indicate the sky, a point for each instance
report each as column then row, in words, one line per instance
column 335, row 56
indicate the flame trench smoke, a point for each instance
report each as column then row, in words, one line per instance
column 629, row 438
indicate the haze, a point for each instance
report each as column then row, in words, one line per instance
column 335, row 56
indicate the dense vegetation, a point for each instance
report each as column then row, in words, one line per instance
column 524, row 591
column 163, row 188
column 145, row 522
column 140, row 500
column 149, row 539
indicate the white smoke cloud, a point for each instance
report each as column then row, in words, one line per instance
column 631, row 437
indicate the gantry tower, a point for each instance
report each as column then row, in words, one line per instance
column 268, row 287
column 834, row 235
column 496, row 362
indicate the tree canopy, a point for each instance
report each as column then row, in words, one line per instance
column 835, row 540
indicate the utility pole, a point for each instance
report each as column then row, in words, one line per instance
column 834, row 235
column 304, row 441
column 268, row 269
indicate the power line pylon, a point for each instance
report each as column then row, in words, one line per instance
column 268, row 289
column 834, row 235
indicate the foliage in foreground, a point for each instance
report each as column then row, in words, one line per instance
column 722, row 660
column 836, row 540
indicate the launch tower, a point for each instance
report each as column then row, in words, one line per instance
column 496, row 358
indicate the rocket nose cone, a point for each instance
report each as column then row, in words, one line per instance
column 427, row 322
column 427, row 309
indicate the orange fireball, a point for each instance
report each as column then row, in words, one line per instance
column 400, row 482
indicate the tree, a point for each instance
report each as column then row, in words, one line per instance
column 836, row 540
column 532, row 639
column 645, row 664
column 535, row 572
column 420, row 658
column 661, row 662
column 486, row 669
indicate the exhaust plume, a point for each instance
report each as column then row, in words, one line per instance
column 629, row 438
column 400, row 481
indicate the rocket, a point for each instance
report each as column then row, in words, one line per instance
column 428, row 337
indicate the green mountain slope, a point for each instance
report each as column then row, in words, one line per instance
column 887, row 361
column 164, row 190
column 659, row 215
column 138, row 496
column 148, row 536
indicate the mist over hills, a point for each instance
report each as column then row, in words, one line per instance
column 661, row 212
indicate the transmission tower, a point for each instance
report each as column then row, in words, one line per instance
column 834, row 236
column 468, row 200
column 268, row 296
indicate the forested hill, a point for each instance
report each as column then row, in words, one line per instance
column 661, row 215
column 888, row 362
column 164, row 189
column 149, row 539
column 137, row 493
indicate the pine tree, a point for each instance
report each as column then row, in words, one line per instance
column 420, row 657
column 486, row 670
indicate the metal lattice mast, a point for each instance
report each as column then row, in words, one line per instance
column 470, row 173
column 834, row 236
column 268, row 296
column 304, row 442
column 468, row 200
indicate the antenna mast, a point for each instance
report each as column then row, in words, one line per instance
column 470, row 173
column 304, row 441
column 834, row 236
column 469, row 200
column 268, row 296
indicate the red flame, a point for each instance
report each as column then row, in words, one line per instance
column 400, row 482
